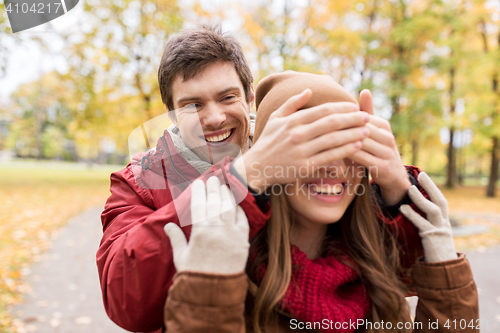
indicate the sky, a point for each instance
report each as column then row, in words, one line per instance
column 27, row 62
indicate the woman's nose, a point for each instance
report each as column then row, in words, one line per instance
column 339, row 168
column 338, row 164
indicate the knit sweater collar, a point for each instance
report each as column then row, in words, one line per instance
column 190, row 156
column 321, row 289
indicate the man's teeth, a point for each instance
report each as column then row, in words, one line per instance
column 218, row 138
column 327, row 189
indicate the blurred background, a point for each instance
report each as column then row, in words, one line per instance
column 72, row 90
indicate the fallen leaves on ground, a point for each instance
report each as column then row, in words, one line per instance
column 471, row 199
column 36, row 202
column 478, row 242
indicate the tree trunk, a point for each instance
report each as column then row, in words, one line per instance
column 414, row 152
column 39, row 118
column 367, row 64
column 450, row 175
column 479, row 168
column 461, row 165
column 395, row 104
column 490, row 189
column 147, row 102
column 490, row 192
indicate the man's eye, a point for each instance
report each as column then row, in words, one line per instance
column 194, row 105
column 190, row 108
column 228, row 98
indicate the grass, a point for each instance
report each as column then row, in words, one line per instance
column 36, row 200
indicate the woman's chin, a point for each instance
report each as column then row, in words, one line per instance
column 325, row 216
column 317, row 211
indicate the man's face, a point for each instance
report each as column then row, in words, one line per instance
column 215, row 122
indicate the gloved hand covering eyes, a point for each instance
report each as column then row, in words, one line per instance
column 219, row 236
column 435, row 231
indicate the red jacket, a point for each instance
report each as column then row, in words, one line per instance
column 135, row 260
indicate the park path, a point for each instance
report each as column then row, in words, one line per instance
column 490, row 217
column 66, row 298
column 485, row 266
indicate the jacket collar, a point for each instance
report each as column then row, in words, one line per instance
column 173, row 160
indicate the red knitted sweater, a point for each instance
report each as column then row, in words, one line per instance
column 324, row 289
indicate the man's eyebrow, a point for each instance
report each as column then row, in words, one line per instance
column 188, row 98
column 222, row 92
column 193, row 98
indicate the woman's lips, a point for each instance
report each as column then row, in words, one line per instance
column 328, row 180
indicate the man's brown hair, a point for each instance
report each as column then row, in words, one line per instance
column 191, row 51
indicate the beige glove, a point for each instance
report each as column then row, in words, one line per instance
column 435, row 231
column 219, row 236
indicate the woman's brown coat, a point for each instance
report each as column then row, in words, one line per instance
column 204, row 303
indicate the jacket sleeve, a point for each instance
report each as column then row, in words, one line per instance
column 134, row 259
column 448, row 300
column 206, row 303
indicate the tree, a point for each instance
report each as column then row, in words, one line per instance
column 278, row 37
column 113, row 64
column 41, row 116
column 6, row 37
column 485, row 14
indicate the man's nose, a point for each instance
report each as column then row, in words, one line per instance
column 213, row 116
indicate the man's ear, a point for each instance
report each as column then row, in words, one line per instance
column 171, row 116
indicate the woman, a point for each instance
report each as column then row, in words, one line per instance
column 323, row 261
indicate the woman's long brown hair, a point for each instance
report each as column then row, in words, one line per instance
column 366, row 240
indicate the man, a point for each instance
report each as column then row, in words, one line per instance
column 205, row 71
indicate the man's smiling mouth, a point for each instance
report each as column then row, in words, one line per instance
column 220, row 136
